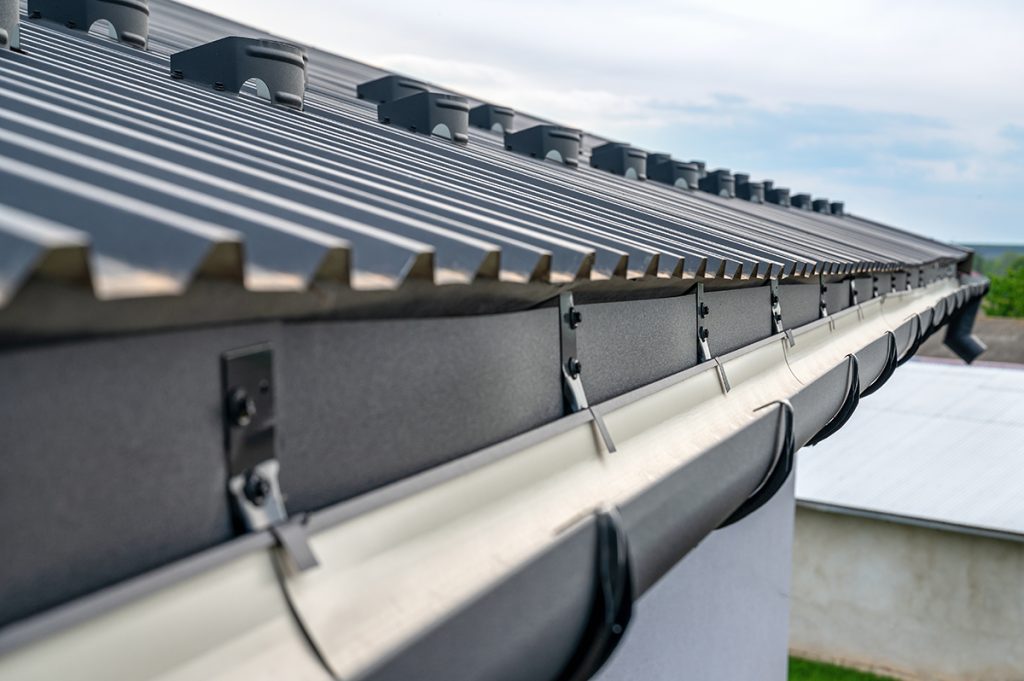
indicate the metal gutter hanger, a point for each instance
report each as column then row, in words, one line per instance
column 249, row 417
column 703, row 347
column 569, row 319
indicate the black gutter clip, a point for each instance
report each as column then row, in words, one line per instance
column 247, row 382
column 10, row 29
column 128, row 19
column 279, row 69
column 612, row 606
column 891, row 362
column 822, row 299
column 848, row 406
column 548, row 142
column 778, row 473
column 915, row 345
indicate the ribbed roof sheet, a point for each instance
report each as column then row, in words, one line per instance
column 942, row 442
column 114, row 175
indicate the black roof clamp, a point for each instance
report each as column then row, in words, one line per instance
column 777, row 195
column 703, row 346
column 801, row 201
column 777, row 325
column 620, row 159
column 664, row 168
column 778, row 472
column 10, row 30
column 431, row 113
column 574, row 396
column 549, row 142
column 719, row 182
column 247, row 382
column 612, row 605
column 129, row 19
column 491, row 117
column 389, row 88
column 279, row 69
column 751, row 191
column 846, row 409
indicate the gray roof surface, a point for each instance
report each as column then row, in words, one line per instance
column 116, row 176
column 942, row 442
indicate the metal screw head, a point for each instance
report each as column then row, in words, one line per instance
column 574, row 366
column 256, row 489
column 705, row 311
column 241, row 407
column 704, row 334
column 573, row 317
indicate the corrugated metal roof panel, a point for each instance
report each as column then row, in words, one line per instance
column 946, row 446
column 168, row 181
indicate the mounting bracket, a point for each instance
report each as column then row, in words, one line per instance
column 575, row 398
column 703, row 346
column 891, row 362
column 848, row 406
column 777, row 325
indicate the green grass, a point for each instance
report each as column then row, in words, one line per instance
column 805, row 670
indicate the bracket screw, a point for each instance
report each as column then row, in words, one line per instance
column 573, row 317
column 256, row 489
column 704, row 334
column 241, row 407
column 705, row 311
column 574, row 366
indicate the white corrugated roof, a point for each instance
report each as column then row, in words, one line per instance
column 942, row 443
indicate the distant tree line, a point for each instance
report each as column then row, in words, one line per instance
column 1006, row 297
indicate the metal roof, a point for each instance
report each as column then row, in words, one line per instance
column 115, row 175
column 945, row 446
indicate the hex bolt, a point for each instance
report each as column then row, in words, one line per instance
column 704, row 334
column 241, row 407
column 256, row 489
column 574, row 366
column 704, row 310
column 573, row 317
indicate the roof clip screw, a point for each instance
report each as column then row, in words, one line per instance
column 574, row 366
column 256, row 489
column 704, row 334
column 705, row 311
column 573, row 318
column 241, row 407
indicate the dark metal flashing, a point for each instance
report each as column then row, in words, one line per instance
column 279, row 69
column 129, row 19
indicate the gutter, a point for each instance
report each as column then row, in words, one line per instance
column 502, row 562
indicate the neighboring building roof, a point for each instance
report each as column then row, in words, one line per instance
column 942, row 443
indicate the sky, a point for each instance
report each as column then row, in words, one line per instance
column 909, row 111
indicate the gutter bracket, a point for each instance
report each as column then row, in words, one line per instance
column 822, row 301
column 703, row 347
column 848, row 406
column 891, row 362
column 247, row 383
column 777, row 325
column 573, row 394
column 612, row 607
column 778, row 472
column 855, row 300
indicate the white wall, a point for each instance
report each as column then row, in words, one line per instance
column 722, row 613
column 928, row 604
